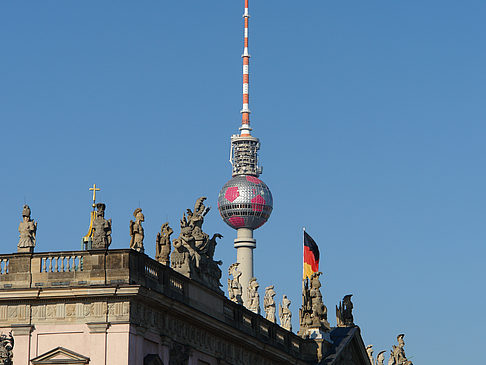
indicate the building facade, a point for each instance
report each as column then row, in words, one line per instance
column 122, row 307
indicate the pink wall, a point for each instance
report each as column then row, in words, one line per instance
column 110, row 347
column 120, row 344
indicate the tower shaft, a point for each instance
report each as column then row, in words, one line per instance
column 245, row 244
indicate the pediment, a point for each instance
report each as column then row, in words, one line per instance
column 60, row 355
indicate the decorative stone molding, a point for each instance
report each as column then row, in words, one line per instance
column 60, row 355
column 98, row 327
column 22, row 329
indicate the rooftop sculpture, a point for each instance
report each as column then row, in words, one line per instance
column 101, row 229
column 380, row 358
column 253, row 296
column 162, row 244
column 313, row 314
column 136, row 231
column 99, row 232
column 369, row 351
column 27, row 231
column 344, row 312
column 194, row 251
column 285, row 313
column 397, row 354
column 269, row 304
column 235, row 289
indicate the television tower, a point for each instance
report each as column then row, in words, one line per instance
column 245, row 202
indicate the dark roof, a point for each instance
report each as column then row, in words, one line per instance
column 342, row 338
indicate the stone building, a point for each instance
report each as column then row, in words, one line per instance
column 122, row 307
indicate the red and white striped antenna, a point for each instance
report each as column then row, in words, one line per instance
column 244, row 147
column 245, row 111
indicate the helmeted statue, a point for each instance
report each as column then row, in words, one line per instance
column 344, row 312
column 285, row 314
column 235, row 290
column 162, row 244
column 136, row 231
column 194, row 251
column 101, row 229
column 397, row 356
column 269, row 304
column 253, row 296
column 27, row 231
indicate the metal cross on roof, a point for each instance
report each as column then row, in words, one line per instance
column 94, row 189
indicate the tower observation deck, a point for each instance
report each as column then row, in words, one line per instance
column 245, row 202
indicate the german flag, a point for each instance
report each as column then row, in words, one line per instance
column 311, row 256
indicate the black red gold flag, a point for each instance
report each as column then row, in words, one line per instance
column 311, row 256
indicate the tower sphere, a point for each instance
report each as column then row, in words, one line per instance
column 245, row 202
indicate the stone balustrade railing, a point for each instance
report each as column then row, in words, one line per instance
column 4, row 266
column 60, row 263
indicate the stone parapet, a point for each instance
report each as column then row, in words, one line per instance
column 126, row 286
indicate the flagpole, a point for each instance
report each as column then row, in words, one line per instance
column 303, row 234
column 303, row 228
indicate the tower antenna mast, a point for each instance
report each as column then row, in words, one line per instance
column 245, row 129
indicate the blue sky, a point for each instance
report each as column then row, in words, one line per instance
column 372, row 122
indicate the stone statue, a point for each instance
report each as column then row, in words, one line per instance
column 285, row 314
column 313, row 314
column 6, row 347
column 344, row 312
column 369, row 351
column 380, row 359
column 397, row 356
column 101, row 229
column 253, row 296
column 194, row 251
column 269, row 304
column 162, row 244
column 235, row 290
column 27, row 230
column 136, row 231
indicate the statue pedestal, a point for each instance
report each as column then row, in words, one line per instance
column 25, row 249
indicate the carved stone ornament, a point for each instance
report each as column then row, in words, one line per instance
column 313, row 314
column 194, row 251
column 235, row 290
column 27, row 231
column 162, row 244
column 285, row 314
column 6, row 347
column 101, row 229
column 136, row 231
column 397, row 355
column 344, row 312
column 380, row 359
column 179, row 354
column 269, row 304
column 369, row 351
column 253, row 296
